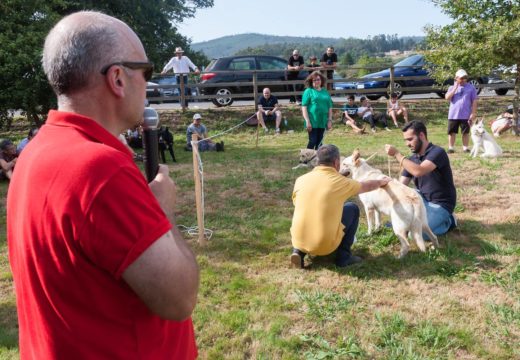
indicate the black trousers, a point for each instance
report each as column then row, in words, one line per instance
column 315, row 138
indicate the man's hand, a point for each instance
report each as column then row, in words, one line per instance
column 196, row 72
column 391, row 150
column 165, row 191
column 384, row 181
column 309, row 127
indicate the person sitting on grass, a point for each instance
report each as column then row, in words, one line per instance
column 367, row 113
column 268, row 109
column 394, row 109
column 323, row 222
column 199, row 129
column 32, row 133
column 503, row 122
column 8, row 157
column 350, row 110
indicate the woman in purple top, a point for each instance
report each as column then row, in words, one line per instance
column 463, row 109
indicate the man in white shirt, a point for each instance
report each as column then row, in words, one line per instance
column 181, row 67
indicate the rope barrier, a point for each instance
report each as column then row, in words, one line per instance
column 194, row 230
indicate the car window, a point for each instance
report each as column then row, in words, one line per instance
column 242, row 64
column 272, row 64
column 415, row 60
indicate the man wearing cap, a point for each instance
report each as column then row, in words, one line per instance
column 314, row 64
column 197, row 128
column 296, row 63
column 181, row 67
column 8, row 158
column 463, row 109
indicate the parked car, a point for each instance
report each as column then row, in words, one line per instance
column 405, row 76
column 342, row 85
column 503, row 79
column 239, row 69
column 153, row 92
column 166, row 81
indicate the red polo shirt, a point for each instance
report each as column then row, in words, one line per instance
column 79, row 213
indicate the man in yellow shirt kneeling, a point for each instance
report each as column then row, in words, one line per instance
column 323, row 221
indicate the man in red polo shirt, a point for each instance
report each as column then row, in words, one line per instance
column 100, row 270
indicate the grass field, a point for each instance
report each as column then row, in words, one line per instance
column 461, row 301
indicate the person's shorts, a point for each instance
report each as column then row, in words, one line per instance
column 453, row 126
column 271, row 117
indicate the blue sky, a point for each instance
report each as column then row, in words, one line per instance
column 324, row 18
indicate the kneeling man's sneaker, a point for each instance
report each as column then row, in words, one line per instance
column 297, row 257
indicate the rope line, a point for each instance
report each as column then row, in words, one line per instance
column 194, row 230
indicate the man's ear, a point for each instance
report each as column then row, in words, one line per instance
column 115, row 81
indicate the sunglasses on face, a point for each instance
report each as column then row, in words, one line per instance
column 147, row 67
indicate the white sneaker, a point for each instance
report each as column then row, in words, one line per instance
column 373, row 130
column 266, row 130
column 387, row 129
column 277, row 131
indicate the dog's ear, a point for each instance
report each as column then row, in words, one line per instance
column 356, row 157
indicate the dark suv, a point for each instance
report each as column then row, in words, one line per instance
column 236, row 69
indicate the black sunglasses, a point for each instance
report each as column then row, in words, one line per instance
column 146, row 66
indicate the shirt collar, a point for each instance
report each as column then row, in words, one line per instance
column 86, row 126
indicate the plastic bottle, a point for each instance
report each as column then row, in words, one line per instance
column 285, row 122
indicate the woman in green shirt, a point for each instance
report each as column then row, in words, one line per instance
column 316, row 108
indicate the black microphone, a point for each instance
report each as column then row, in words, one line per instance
column 151, row 142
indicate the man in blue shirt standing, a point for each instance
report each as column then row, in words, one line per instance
column 463, row 109
column 429, row 168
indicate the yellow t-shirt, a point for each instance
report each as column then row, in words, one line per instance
column 318, row 199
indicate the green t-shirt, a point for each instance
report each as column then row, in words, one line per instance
column 318, row 104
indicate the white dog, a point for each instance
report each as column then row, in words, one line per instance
column 308, row 159
column 482, row 140
column 403, row 204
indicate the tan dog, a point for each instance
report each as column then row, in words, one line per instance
column 308, row 159
column 403, row 204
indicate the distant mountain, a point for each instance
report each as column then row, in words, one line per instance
column 230, row 45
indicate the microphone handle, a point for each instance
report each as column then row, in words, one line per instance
column 151, row 153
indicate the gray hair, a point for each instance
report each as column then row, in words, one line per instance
column 327, row 154
column 76, row 49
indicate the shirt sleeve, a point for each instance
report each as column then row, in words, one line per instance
column 191, row 64
column 306, row 98
column 168, row 65
column 122, row 222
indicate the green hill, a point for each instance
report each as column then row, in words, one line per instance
column 230, row 45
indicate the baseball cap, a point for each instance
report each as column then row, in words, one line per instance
column 461, row 73
column 197, row 116
column 179, row 50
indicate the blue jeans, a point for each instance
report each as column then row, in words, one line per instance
column 315, row 138
column 350, row 219
column 439, row 219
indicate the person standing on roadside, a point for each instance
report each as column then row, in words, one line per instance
column 316, row 109
column 328, row 61
column 100, row 268
column 181, row 66
column 463, row 110
column 295, row 64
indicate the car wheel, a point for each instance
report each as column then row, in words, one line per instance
column 397, row 90
column 223, row 101
column 373, row 97
column 476, row 83
column 441, row 94
column 501, row 92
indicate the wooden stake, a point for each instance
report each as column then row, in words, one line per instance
column 198, row 190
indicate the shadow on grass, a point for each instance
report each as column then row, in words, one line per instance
column 462, row 252
column 8, row 326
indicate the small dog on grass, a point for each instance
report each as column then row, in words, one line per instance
column 308, row 159
column 483, row 140
column 403, row 204
column 166, row 143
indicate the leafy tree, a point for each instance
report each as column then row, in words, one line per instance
column 484, row 35
column 25, row 23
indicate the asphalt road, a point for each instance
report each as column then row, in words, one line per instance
column 341, row 99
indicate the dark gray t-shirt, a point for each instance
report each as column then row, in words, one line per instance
column 437, row 186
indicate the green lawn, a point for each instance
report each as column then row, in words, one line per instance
column 461, row 301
